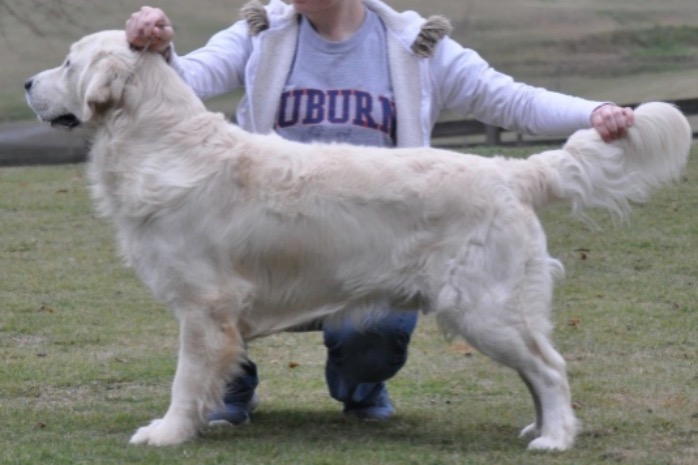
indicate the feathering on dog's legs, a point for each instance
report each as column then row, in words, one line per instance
column 209, row 347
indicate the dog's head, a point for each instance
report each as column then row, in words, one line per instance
column 90, row 81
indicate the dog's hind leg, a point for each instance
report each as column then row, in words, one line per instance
column 530, row 353
column 210, row 344
column 534, row 428
column 500, row 303
column 543, row 371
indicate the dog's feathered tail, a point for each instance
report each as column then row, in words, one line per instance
column 588, row 172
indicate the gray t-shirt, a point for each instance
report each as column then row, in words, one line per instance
column 339, row 91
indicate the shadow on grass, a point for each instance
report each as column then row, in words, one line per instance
column 313, row 429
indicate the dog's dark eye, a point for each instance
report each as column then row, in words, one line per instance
column 66, row 64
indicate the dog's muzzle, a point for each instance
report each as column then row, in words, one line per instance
column 67, row 120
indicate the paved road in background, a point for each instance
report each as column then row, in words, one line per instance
column 35, row 143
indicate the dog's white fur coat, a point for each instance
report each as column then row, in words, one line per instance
column 246, row 235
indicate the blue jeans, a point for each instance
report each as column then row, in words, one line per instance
column 359, row 361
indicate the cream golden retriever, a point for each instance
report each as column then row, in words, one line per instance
column 246, row 235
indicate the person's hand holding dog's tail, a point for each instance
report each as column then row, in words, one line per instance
column 611, row 121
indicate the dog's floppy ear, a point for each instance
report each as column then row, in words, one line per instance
column 103, row 83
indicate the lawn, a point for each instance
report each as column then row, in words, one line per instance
column 88, row 356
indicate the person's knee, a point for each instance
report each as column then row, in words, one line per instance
column 373, row 354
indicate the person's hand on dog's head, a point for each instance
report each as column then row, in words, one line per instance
column 612, row 121
column 150, row 28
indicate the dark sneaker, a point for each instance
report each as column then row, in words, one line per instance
column 378, row 409
column 235, row 414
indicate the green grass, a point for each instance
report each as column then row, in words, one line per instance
column 87, row 356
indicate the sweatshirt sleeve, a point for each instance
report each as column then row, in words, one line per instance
column 219, row 66
column 465, row 83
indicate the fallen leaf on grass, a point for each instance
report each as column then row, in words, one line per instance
column 574, row 322
column 293, row 364
column 462, row 348
column 583, row 253
column 45, row 308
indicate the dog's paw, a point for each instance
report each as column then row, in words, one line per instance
column 531, row 430
column 162, row 433
column 551, row 444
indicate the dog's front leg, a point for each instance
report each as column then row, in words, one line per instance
column 210, row 346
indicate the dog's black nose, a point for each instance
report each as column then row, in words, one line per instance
column 28, row 84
